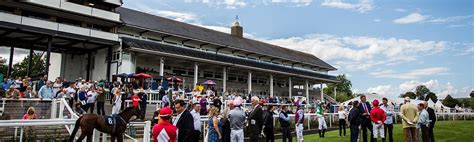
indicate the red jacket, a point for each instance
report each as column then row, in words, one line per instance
column 165, row 132
column 135, row 100
column 377, row 114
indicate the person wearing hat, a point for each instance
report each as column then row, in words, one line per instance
column 377, row 116
column 237, row 119
column 299, row 121
column 12, row 92
column 321, row 121
column 409, row 114
column 164, row 131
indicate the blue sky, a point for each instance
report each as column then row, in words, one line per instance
column 385, row 47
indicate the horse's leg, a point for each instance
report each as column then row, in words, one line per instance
column 89, row 137
column 112, row 138
column 81, row 137
column 120, row 138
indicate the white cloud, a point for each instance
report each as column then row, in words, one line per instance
column 361, row 53
column 411, row 74
column 457, row 26
column 411, row 85
column 362, row 6
column 384, row 90
column 400, row 10
column 419, row 18
column 377, row 20
column 178, row 16
column 410, row 19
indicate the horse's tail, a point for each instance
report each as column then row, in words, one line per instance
column 74, row 131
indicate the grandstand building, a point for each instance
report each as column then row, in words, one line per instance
column 96, row 39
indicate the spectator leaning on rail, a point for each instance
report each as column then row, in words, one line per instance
column 12, row 92
column 46, row 91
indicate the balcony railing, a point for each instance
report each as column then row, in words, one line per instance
column 57, row 26
column 76, row 8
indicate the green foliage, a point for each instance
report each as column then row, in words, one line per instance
column 3, row 66
column 343, row 88
column 450, row 101
column 472, row 94
column 408, row 94
column 20, row 69
column 465, row 103
column 471, row 103
column 431, row 96
column 421, row 91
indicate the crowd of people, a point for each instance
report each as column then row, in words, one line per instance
column 179, row 116
column 378, row 120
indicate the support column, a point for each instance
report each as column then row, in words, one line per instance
column 321, row 89
column 290, row 87
column 109, row 62
column 10, row 63
column 196, row 73
column 224, row 79
column 88, row 71
column 162, row 68
column 335, row 87
column 271, row 85
column 249, row 82
column 48, row 57
column 306, row 89
column 30, row 60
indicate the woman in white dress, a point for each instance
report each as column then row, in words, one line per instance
column 117, row 101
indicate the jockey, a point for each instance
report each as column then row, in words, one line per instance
column 322, row 123
column 164, row 131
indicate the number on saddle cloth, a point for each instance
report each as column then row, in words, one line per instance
column 110, row 120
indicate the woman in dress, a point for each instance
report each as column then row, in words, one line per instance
column 117, row 101
column 214, row 134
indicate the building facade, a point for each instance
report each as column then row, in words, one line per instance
column 98, row 39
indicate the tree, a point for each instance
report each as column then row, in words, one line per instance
column 343, row 88
column 471, row 103
column 431, row 96
column 472, row 94
column 421, row 91
column 3, row 66
column 408, row 94
column 450, row 101
column 20, row 69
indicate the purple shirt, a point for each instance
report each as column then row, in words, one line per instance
column 203, row 103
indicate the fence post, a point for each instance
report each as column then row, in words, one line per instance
column 21, row 134
column 330, row 120
column 61, row 108
column 309, row 124
column 96, row 135
column 53, row 108
column 104, row 137
column 146, row 132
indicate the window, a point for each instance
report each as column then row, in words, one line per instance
column 115, row 56
column 6, row 9
column 218, row 75
column 232, row 78
column 190, row 71
column 36, row 15
column 208, row 74
column 179, row 71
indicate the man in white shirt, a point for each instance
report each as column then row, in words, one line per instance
column 388, row 123
column 197, row 121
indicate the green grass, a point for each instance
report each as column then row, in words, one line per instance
column 444, row 131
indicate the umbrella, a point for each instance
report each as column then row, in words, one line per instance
column 142, row 75
column 209, row 82
column 175, row 79
column 122, row 75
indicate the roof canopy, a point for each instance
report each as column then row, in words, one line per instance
column 159, row 24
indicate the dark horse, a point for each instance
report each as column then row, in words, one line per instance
column 89, row 122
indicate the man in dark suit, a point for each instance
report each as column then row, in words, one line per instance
column 255, row 120
column 354, row 121
column 432, row 117
column 365, row 109
column 184, row 122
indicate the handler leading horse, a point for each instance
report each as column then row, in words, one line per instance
column 88, row 122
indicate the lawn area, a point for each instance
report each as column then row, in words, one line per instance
column 445, row 131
